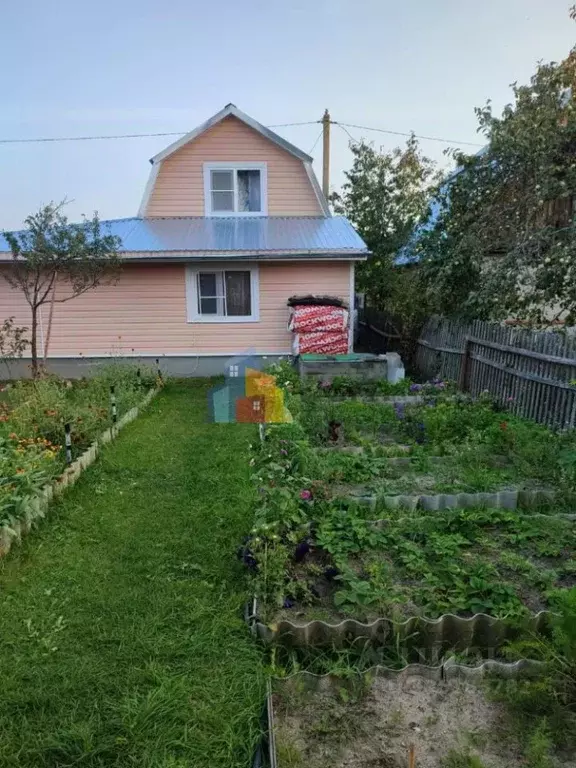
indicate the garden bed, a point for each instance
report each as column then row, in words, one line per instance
column 331, row 571
column 35, row 463
column 437, row 718
column 494, row 572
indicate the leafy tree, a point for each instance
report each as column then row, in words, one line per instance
column 13, row 342
column 504, row 245
column 385, row 195
column 54, row 261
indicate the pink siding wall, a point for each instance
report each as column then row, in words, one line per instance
column 145, row 312
column 179, row 187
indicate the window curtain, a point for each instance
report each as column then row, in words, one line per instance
column 238, row 299
column 249, row 192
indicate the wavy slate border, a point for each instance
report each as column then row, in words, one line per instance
column 37, row 506
column 382, row 400
column 451, row 632
column 433, row 503
column 266, row 751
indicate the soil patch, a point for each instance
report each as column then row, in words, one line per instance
column 377, row 727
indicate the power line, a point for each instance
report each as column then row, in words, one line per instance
column 400, row 133
column 316, row 142
column 344, row 126
column 355, row 141
column 48, row 139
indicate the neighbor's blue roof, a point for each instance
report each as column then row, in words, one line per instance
column 406, row 254
column 258, row 235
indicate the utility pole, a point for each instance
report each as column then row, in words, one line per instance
column 326, row 153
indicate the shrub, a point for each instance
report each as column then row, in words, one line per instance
column 26, row 465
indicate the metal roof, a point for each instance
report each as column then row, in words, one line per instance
column 296, row 236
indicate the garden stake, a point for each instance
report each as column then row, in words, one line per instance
column 113, row 404
column 412, row 757
column 68, row 440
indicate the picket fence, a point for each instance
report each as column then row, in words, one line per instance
column 532, row 372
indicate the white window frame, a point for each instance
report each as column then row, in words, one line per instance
column 226, row 166
column 193, row 314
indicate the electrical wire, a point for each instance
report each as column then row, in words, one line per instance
column 344, row 126
column 316, row 142
column 400, row 133
column 352, row 139
column 48, row 139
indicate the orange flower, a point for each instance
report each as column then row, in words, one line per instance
column 19, row 471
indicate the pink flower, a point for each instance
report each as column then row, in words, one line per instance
column 305, row 495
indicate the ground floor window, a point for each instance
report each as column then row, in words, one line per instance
column 222, row 295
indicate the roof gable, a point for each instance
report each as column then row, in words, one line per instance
column 231, row 110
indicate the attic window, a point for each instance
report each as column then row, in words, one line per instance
column 235, row 189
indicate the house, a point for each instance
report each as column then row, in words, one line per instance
column 232, row 223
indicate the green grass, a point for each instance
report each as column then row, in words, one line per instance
column 121, row 638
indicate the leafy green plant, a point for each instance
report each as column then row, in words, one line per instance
column 26, row 465
column 13, row 343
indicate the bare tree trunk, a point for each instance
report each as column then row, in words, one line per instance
column 50, row 316
column 34, row 342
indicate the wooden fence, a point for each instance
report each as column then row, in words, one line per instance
column 531, row 372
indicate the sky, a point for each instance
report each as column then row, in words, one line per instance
column 83, row 69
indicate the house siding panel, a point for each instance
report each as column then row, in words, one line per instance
column 145, row 312
column 179, row 186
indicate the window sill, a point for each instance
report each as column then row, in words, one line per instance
column 235, row 215
column 216, row 319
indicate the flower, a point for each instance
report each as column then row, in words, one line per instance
column 415, row 387
column 503, row 425
column 13, row 436
column 284, row 452
column 305, row 495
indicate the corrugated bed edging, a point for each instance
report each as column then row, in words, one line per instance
column 449, row 632
column 266, row 757
column 434, row 502
column 37, row 506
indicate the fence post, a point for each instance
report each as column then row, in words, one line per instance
column 68, row 442
column 113, row 404
column 465, row 365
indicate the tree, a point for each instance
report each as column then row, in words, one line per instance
column 13, row 343
column 385, row 196
column 55, row 261
column 504, row 243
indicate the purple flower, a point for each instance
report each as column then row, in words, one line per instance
column 288, row 602
column 324, row 384
column 284, row 452
column 305, row 495
column 301, row 551
column 415, row 387
column 440, row 385
column 399, row 408
column 262, row 490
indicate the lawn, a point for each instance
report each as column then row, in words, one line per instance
column 122, row 642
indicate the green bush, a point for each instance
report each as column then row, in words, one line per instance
column 26, row 465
